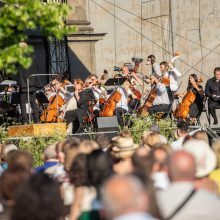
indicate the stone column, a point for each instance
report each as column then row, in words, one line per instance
column 81, row 44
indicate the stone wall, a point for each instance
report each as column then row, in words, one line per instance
column 158, row 27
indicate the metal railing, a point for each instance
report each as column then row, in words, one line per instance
column 54, row 1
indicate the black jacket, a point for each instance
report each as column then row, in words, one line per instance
column 212, row 87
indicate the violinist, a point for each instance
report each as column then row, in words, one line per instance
column 196, row 107
column 161, row 102
column 212, row 91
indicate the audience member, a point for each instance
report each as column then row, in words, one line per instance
column 38, row 199
column 49, row 157
column 122, row 149
column 181, row 132
column 205, row 163
column 125, row 197
column 181, row 200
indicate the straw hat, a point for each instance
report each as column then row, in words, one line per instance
column 123, row 147
column 205, row 157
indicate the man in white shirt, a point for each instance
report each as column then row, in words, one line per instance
column 173, row 74
column 181, row 200
column 161, row 103
column 122, row 105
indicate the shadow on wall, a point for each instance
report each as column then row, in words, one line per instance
column 77, row 69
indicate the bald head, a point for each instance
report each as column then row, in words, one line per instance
column 124, row 194
column 181, row 166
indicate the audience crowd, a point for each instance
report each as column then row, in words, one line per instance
column 116, row 179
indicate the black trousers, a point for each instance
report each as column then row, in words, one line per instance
column 119, row 112
column 159, row 108
column 212, row 105
column 34, row 106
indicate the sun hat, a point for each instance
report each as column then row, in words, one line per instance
column 205, row 157
column 123, row 147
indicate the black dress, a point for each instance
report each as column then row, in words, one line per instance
column 197, row 106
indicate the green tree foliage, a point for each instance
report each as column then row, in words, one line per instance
column 16, row 16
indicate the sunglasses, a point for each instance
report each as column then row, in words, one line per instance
column 47, row 90
column 54, row 84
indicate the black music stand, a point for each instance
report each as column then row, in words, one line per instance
column 115, row 81
column 41, row 98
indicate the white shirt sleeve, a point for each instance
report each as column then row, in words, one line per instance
column 176, row 72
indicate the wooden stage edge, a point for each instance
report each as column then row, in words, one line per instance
column 37, row 130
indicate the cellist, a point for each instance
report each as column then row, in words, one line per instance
column 51, row 113
column 161, row 103
column 196, row 107
column 122, row 106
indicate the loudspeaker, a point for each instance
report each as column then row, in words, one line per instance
column 107, row 123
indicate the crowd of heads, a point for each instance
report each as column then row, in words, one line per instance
column 113, row 179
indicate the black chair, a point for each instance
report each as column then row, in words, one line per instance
column 204, row 109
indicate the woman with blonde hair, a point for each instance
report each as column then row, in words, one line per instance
column 149, row 139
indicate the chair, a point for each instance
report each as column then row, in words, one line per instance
column 204, row 109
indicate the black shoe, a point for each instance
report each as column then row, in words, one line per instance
column 215, row 123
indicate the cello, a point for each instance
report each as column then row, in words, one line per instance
column 51, row 113
column 148, row 101
column 110, row 104
column 183, row 108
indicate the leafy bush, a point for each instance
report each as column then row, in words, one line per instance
column 140, row 124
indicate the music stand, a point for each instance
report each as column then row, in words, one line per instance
column 41, row 98
column 115, row 81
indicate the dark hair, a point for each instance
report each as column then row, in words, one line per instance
column 100, row 167
column 152, row 57
column 217, row 69
column 78, row 172
column 38, row 199
column 118, row 75
column 57, row 78
column 182, row 126
column 20, row 161
column 164, row 63
column 195, row 77
column 105, row 71
column 102, row 140
column 9, row 184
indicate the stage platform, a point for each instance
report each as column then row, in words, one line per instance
column 37, row 130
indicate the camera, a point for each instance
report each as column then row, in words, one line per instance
column 117, row 69
column 137, row 60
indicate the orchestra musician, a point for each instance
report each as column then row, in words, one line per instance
column 151, row 60
column 122, row 106
column 161, row 103
column 56, row 101
column 196, row 106
column 173, row 74
column 212, row 91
